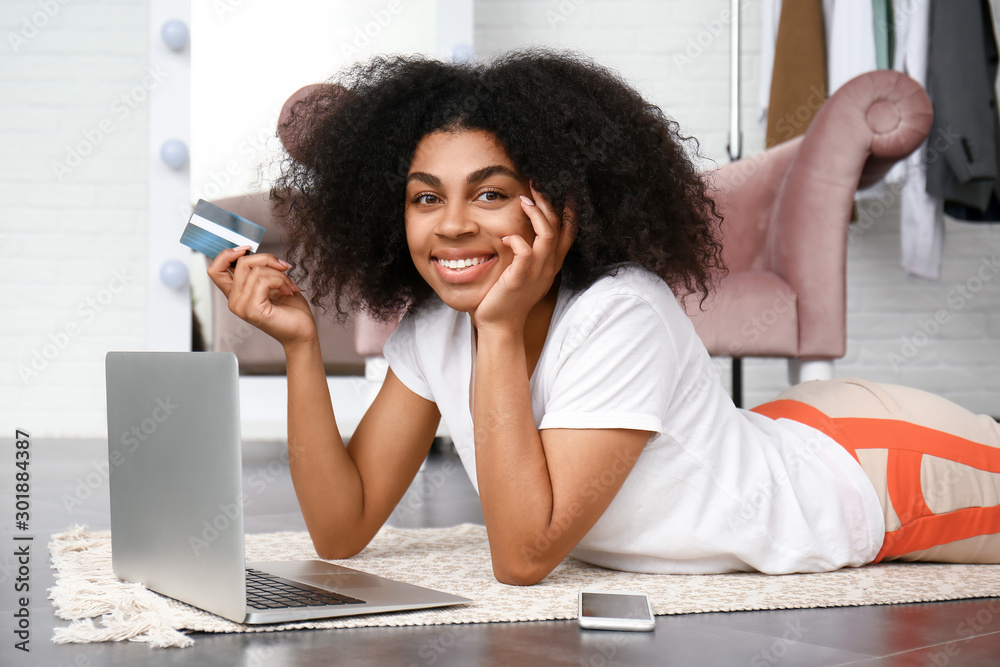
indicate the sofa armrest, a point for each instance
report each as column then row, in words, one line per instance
column 873, row 121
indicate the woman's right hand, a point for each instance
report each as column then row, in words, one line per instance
column 260, row 292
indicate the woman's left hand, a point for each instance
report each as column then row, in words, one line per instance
column 534, row 268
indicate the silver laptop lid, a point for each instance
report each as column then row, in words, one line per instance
column 175, row 476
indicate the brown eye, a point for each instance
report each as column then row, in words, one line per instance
column 491, row 195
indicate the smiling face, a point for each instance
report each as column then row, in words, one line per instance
column 462, row 198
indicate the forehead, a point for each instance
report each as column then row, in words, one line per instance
column 458, row 151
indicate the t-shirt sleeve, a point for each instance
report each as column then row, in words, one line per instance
column 616, row 368
column 402, row 354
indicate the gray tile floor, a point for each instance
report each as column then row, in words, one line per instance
column 68, row 486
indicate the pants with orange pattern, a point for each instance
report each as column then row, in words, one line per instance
column 934, row 465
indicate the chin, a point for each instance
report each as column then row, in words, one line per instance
column 463, row 303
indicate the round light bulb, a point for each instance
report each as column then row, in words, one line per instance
column 174, row 274
column 174, row 153
column 175, row 34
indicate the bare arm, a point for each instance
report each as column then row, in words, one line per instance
column 541, row 492
column 345, row 493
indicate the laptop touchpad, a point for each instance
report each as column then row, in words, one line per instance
column 340, row 581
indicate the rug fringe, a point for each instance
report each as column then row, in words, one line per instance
column 127, row 611
column 145, row 627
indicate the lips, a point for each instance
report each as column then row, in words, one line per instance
column 460, row 268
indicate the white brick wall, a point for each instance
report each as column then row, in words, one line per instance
column 676, row 52
column 72, row 241
column 65, row 63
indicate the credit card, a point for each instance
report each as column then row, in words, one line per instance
column 212, row 229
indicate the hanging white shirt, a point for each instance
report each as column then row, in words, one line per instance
column 921, row 219
column 850, row 46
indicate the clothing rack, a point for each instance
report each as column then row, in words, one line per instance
column 735, row 149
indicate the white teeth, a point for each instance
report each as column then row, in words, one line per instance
column 460, row 263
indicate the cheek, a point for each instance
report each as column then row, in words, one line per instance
column 520, row 224
column 417, row 253
column 527, row 231
column 413, row 236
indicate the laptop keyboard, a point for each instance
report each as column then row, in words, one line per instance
column 266, row 591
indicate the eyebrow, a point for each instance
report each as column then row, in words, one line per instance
column 475, row 177
column 492, row 170
column 424, row 177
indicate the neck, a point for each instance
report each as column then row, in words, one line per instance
column 536, row 327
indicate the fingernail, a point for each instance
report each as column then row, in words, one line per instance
column 285, row 264
column 242, row 247
column 527, row 201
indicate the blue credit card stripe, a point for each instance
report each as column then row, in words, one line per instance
column 223, row 232
column 213, row 214
column 205, row 242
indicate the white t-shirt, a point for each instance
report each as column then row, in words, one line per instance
column 716, row 488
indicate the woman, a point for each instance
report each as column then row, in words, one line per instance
column 535, row 218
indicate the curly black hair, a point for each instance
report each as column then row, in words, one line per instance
column 576, row 130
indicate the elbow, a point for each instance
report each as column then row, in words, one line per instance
column 333, row 554
column 329, row 550
column 517, row 578
column 521, row 573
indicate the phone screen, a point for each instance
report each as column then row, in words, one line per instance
column 614, row 605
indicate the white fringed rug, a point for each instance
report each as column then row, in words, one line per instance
column 456, row 560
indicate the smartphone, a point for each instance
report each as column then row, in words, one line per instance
column 616, row 610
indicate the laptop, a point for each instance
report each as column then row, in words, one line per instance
column 176, row 501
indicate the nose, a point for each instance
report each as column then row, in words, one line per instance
column 456, row 221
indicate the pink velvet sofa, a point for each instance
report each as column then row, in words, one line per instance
column 785, row 231
column 786, row 216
